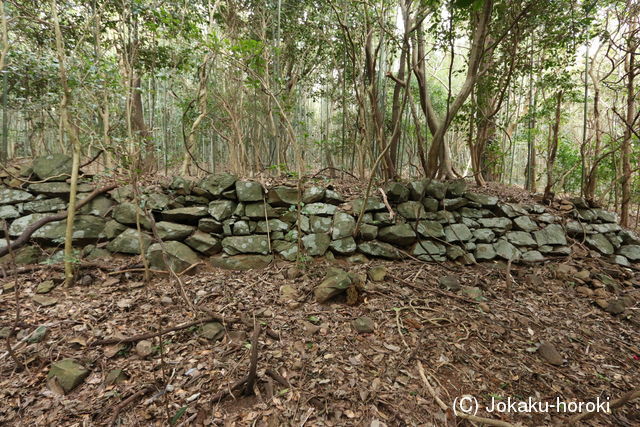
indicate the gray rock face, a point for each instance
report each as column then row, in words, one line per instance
column 313, row 194
column 242, row 262
column 215, row 185
column 600, row 243
column 282, row 196
column 552, row 234
column 343, row 226
column 44, row 205
column 9, row 212
column 99, row 206
column 484, row 235
column 333, row 197
column 222, row 209
column 249, row 191
column 256, row 244
column 320, row 224
column 259, row 211
column 400, row 235
column 51, row 189
column 411, row 210
column 482, row 199
column 631, row 252
column 435, row 189
column 485, row 252
column 189, row 215
column 68, row 373
column 179, row 256
column 181, row 185
column 55, row 167
column 344, row 246
column 496, row 223
column 457, row 233
column 368, row 232
column 431, row 229
column 606, row 228
column 316, row 244
column 125, row 213
column 520, row 238
column 112, row 228
column 396, row 192
column 506, row 250
column 525, row 223
column 371, row 206
column 605, row 216
column 287, row 250
column 426, row 250
column 532, row 256
column 454, row 204
column 336, row 282
column 417, row 189
column 128, row 242
column 577, row 229
column 457, row 188
column 512, row 210
column 319, row 209
column 86, row 228
column 9, row 196
column 271, row 226
column 379, row 249
column 430, row 204
column 173, row 231
column 209, row 225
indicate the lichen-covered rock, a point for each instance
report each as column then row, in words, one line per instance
column 128, row 242
column 426, row 250
column 53, row 167
column 271, row 226
column 605, row 216
column 255, row 244
column 484, row 252
column 552, row 234
column 51, row 189
column 344, row 246
column 259, row 211
column 9, row 212
column 9, row 196
column 313, row 194
column 249, row 191
column 179, row 256
column 44, row 205
column 125, row 213
column 85, row 228
column 525, row 223
column 396, row 192
column 379, row 249
column 173, row 231
column 399, row 234
column 431, row 229
column 457, row 188
column 532, row 256
column 484, row 235
column 215, row 185
column 417, row 189
column 242, row 262
column 430, row 204
column 501, row 224
column 333, row 197
column 520, row 238
column 482, row 199
column 454, row 204
column 632, row 252
column 343, row 226
column 457, row 233
column 222, row 209
column 411, row 210
column 316, row 244
column 98, row 206
column 336, row 282
column 282, row 196
column 209, row 225
column 506, row 250
column 68, row 373
column 600, row 243
column 367, row 232
column 181, row 185
column 435, row 189
column 512, row 210
column 320, row 224
column 319, row 209
column 190, row 215
column 371, row 206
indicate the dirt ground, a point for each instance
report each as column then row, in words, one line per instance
column 313, row 368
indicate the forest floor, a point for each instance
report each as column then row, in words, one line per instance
column 313, row 367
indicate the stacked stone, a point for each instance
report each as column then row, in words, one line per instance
column 430, row 220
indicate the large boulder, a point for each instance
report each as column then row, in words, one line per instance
column 179, row 256
column 53, row 167
column 215, row 185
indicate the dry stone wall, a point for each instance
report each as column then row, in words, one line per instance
column 238, row 224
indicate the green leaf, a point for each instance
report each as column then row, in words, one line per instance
column 177, row 415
